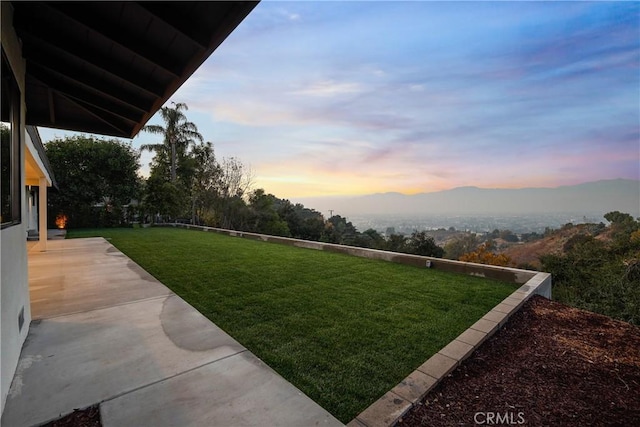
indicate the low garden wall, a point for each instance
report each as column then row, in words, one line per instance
column 504, row 274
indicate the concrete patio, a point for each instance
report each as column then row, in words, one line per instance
column 105, row 331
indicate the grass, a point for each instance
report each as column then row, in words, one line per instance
column 343, row 329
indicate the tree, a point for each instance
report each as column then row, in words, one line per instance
column 162, row 198
column 396, row 243
column 422, row 244
column 461, row 245
column 205, row 179
column 264, row 218
column 93, row 175
column 617, row 217
column 287, row 212
column 372, row 239
column 622, row 227
column 178, row 135
column 530, row 237
column 494, row 234
column 484, row 256
column 311, row 224
column 339, row 230
column 303, row 223
column 172, row 190
column 235, row 181
column 509, row 236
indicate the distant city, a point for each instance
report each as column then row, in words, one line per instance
column 479, row 210
column 479, row 223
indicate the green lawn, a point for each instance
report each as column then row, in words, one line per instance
column 343, row 329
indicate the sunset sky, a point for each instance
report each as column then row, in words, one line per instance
column 337, row 98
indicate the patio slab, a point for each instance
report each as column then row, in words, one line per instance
column 144, row 355
column 85, row 274
column 237, row 391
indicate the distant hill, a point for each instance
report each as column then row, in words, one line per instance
column 592, row 197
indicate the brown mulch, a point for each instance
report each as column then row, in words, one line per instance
column 550, row 365
column 89, row 417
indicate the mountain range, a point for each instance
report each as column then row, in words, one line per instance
column 592, row 197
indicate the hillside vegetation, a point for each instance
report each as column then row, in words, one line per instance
column 594, row 267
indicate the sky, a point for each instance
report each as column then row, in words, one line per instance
column 358, row 97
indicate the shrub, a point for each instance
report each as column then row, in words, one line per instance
column 600, row 276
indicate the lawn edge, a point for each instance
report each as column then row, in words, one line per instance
column 387, row 410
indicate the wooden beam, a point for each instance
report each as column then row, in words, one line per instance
column 164, row 15
column 92, row 23
column 94, row 114
column 52, row 108
column 58, row 46
column 91, row 90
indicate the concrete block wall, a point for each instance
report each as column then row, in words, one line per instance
column 504, row 274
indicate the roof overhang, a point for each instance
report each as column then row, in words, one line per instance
column 107, row 67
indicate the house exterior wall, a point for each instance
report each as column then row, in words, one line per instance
column 14, row 283
column 31, row 195
column 37, row 178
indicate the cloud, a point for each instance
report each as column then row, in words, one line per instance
column 587, row 43
column 255, row 113
column 329, row 88
column 318, row 98
column 292, row 16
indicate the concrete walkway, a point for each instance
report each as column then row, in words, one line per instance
column 105, row 331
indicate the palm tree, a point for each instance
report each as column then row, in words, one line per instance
column 178, row 133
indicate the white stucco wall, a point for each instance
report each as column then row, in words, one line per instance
column 34, row 172
column 14, row 282
column 14, row 297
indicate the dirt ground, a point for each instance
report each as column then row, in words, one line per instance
column 89, row 417
column 551, row 365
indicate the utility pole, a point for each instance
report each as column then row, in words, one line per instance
column 330, row 213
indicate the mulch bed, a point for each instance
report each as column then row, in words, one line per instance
column 550, row 365
column 89, row 417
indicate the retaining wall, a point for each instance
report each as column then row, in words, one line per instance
column 504, row 274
